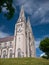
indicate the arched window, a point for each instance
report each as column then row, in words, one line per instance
column 5, row 45
column 4, row 54
column 10, row 44
column 10, row 53
column 19, row 52
column 0, row 45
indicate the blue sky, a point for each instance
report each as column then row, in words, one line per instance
column 37, row 10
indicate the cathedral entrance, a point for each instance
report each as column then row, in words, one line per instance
column 19, row 53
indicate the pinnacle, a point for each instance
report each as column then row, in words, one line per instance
column 28, row 21
column 22, row 12
column 28, row 24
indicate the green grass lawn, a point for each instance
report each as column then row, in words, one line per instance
column 24, row 61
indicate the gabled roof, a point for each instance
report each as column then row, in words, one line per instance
column 6, row 39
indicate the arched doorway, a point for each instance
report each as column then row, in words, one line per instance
column 4, row 54
column 10, row 56
column 19, row 52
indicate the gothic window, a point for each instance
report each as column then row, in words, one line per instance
column 10, row 53
column 19, row 38
column 4, row 54
column 21, row 24
column 0, row 45
column 19, row 52
column 10, row 44
column 5, row 44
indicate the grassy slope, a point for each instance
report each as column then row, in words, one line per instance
column 24, row 61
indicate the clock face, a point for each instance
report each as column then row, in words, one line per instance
column 19, row 30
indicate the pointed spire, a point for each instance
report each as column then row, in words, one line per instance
column 28, row 22
column 22, row 12
column 29, row 25
column 22, row 15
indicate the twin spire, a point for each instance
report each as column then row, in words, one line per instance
column 23, row 19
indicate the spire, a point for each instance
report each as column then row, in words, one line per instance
column 29, row 25
column 22, row 14
column 28, row 22
column 29, row 28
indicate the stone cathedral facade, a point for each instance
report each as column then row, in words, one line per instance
column 22, row 43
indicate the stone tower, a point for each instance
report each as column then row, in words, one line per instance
column 24, row 40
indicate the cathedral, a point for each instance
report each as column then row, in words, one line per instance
column 22, row 43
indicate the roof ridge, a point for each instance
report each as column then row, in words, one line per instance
column 6, row 39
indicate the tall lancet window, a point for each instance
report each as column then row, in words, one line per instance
column 10, row 44
column 4, row 54
column 19, row 52
column 10, row 53
column 0, row 45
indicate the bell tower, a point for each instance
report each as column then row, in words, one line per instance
column 20, row 28
column 30, row 40
column 23, row 37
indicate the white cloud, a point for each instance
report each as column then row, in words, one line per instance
column 28, row 8
column 27, row 4
column 44, row 20
column 39, row 12
column 42, row 54
column 3, row 34
column 35, row 9
column 18, row 2
column 37, row 43
column 4, row 9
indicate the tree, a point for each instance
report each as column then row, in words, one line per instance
column 44, row 46
column 7, row 6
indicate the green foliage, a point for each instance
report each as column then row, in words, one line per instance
column 8, row 6
column 24, row 61
column 44, row 46
column 46, row 57
column 10, row 14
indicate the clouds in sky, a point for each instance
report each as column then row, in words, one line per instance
column 37, row 42
column 37, row 9
column 3, row 34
